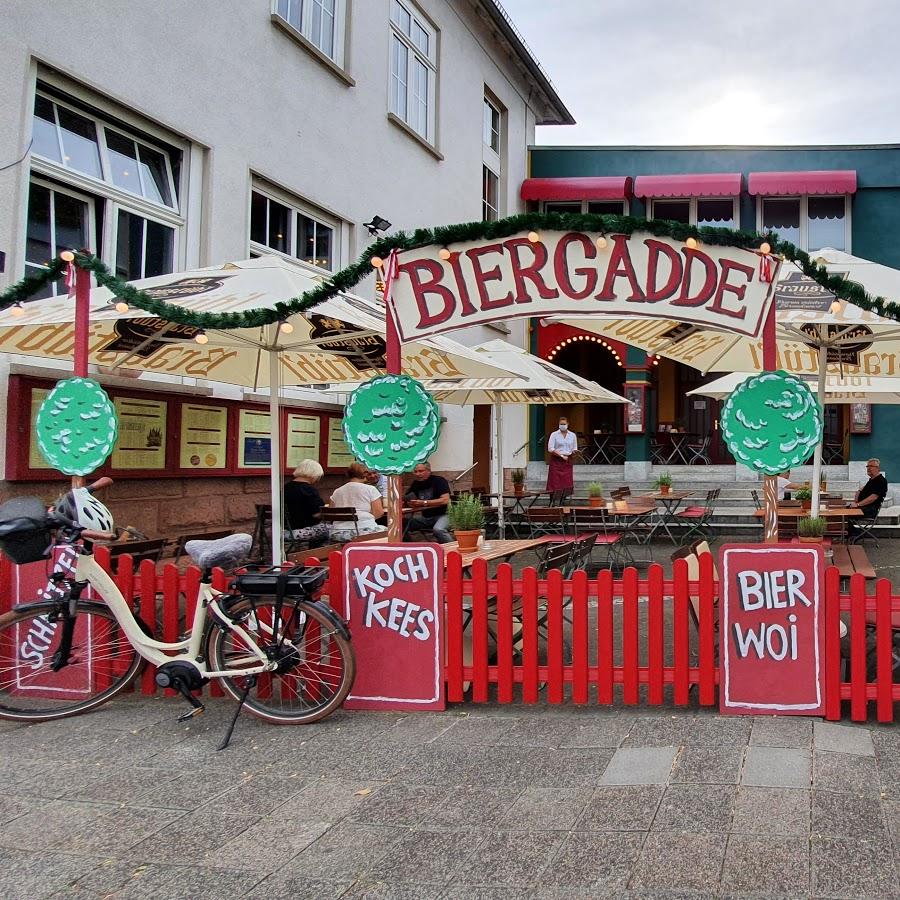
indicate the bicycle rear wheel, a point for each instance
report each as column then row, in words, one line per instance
column 316, row 662
column 101, row 663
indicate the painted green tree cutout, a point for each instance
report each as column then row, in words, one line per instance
column 76, row 426
column 391, row 423
column 772, row 422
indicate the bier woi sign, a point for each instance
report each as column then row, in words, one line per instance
column 575, row 273
column 771, row 629
column 393, row 602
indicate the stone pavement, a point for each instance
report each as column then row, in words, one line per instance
column 477, row 802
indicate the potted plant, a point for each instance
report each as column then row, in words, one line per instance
column 595, row 493
column 518, row 481
column 810, row 530
column 804, row 495
column 664, row 483
column 466, row 515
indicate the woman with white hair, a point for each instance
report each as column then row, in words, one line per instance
column 303, row 504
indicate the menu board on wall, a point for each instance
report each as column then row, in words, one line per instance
column 204, row 436
column 302, row 439
column 339, row 455
column 254, row 440
column 35, row 458
column 142, row 434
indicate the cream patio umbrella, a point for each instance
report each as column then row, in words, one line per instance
column 817, row 334
column 847, row 389
column 338, row 340
column 534, row 381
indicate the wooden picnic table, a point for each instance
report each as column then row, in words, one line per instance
column 852, row 558
column 842, row 512
column 613, row 509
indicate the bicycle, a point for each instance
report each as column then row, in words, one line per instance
column 284, row 655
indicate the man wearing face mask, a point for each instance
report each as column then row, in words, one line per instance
column 562, row 444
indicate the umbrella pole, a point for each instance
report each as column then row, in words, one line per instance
column 82, row 326
column 817, row 457
column 275, row 429
column 770, row 482
column 393, row 366
column 498, row 464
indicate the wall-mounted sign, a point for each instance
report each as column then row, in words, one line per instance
column 35, row 457
column 860, row 418
column 634, row 414
column 142, row 434
column 302, row 439
column 567, row 273
column 771, row 629
column 204, row 436
column 254, row 440
column 392, row 600
column 339, row 454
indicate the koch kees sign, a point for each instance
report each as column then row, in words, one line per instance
column 575, row 273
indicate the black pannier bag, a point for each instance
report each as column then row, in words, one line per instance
column 24, row 530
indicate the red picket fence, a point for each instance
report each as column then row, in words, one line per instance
column 583, row 640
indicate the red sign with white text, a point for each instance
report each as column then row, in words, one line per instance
column 771, row 628
column 393, row 601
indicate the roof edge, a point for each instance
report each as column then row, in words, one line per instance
column 500, row 17
column 657, row 147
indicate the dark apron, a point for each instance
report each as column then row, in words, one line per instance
column 560, row 474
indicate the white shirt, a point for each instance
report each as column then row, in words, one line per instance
column 566, row 443
column 360, row 496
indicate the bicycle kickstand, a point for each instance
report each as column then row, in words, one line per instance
column 251, row 683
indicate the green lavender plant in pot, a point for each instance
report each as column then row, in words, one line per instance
column 518, row 480
column 804, row 495
column 595, row 493
column 466, row 515
column 664, row 483
column 810, row 531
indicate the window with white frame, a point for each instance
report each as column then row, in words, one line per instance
column 97, row 184
column 413, row 69
column 810, row 223
column 321, row 22
column 490, row 195
column 491, row 126
column 492, row 159
column 716, row 212
column 286, row 225
column 596, row 207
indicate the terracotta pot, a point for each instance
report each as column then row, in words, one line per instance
column 665, row 488
column 519, row 488
column 596, row 501
column 810, row 539
column 806, row 504
column 467, row 540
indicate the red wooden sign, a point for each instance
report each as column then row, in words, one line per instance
column 393, row 601
column 771, row 628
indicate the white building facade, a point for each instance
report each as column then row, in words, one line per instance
column 171, row 135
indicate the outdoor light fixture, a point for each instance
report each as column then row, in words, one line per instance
column 287, row 328
column 765, row 247
column 691, row 243
column 377, row 225
column 201, row 337
column 377, row 262
column 533, row 236
column 601, row 243
column 444, row 253
column 67, row 256
column 17, row 310
column 122, row 307
column 836, row 307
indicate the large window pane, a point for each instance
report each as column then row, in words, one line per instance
column 71, row 222
column 43, row 130
column 129, row 246
column 490, row 191
column 289, row 10
column 159, row 258
column 314, row 242
column 672, row 210
column 399, row 69
column 123, row 162
column 826, row 222
column 783, row 217
column 573, row 206
column 154, row 177
column 605, row 207
column 491, row 132
column 258, row 216
column 38, row 247
column 717, row 213
column 279, row 227
column 79, row 139
column 419, row 116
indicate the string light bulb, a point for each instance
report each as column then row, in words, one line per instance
column 534, row 237
column 121, row 307
column 17, row 310
column 601, row 242
column 765, row 247
column 67, row 256
column 377, row 262
column 837, row 307
column 201, row 337
column 444, row 254
column 691, row 243
column 287, row 328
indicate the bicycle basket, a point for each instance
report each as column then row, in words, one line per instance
column 24, row 531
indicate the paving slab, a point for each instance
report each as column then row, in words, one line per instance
column 844, row 867
column 604, row 859
column 640, row 765
column 766, row 866
column 425, row 856
column 782, row 731
column 510, row 858
column 696, row 807
column 703, row 766
column 776, row 767
column 550, row 808
column 680, row 860
column 843, row 738
column 845, row 772
column 621, row 808
column 847, row 815
column 771, row 811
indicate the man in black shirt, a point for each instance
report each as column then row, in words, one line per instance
column 428, row 495
column 869, row 497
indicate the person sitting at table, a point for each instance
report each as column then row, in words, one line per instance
column 365, row 498
column 561, row 445
column 785, row 484
column 428, row 495
column 380, row 481
column 869, row 497
column 303, row 503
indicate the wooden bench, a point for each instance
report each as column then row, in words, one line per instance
column 852, row 558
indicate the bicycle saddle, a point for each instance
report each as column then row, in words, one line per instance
column 224, row 552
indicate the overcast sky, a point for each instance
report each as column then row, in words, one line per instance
column 718, row 71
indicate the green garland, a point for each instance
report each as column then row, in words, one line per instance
column 348, row 278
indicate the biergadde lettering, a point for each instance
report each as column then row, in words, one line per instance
column 710, row 280
column 484, row 276
column 654, row 250
column 718, row 304
column 561, row 266
column 532, row 272
column 429, row 287
column 620, row 266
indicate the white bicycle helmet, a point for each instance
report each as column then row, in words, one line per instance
column 86, row 510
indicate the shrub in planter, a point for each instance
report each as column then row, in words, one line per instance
column 804, row 495
column 595, row 493
column 811, row 530
column 664, row 483
column 466, row 515
column 518, row 480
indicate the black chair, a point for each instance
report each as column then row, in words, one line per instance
column 340, row 515
column 546, row 520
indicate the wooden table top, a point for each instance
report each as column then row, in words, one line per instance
column 495, row 549
column 631, row 509
column 672, row 495
column 797, row 513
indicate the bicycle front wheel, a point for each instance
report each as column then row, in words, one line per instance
column 101, row 662
column 316, row 665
